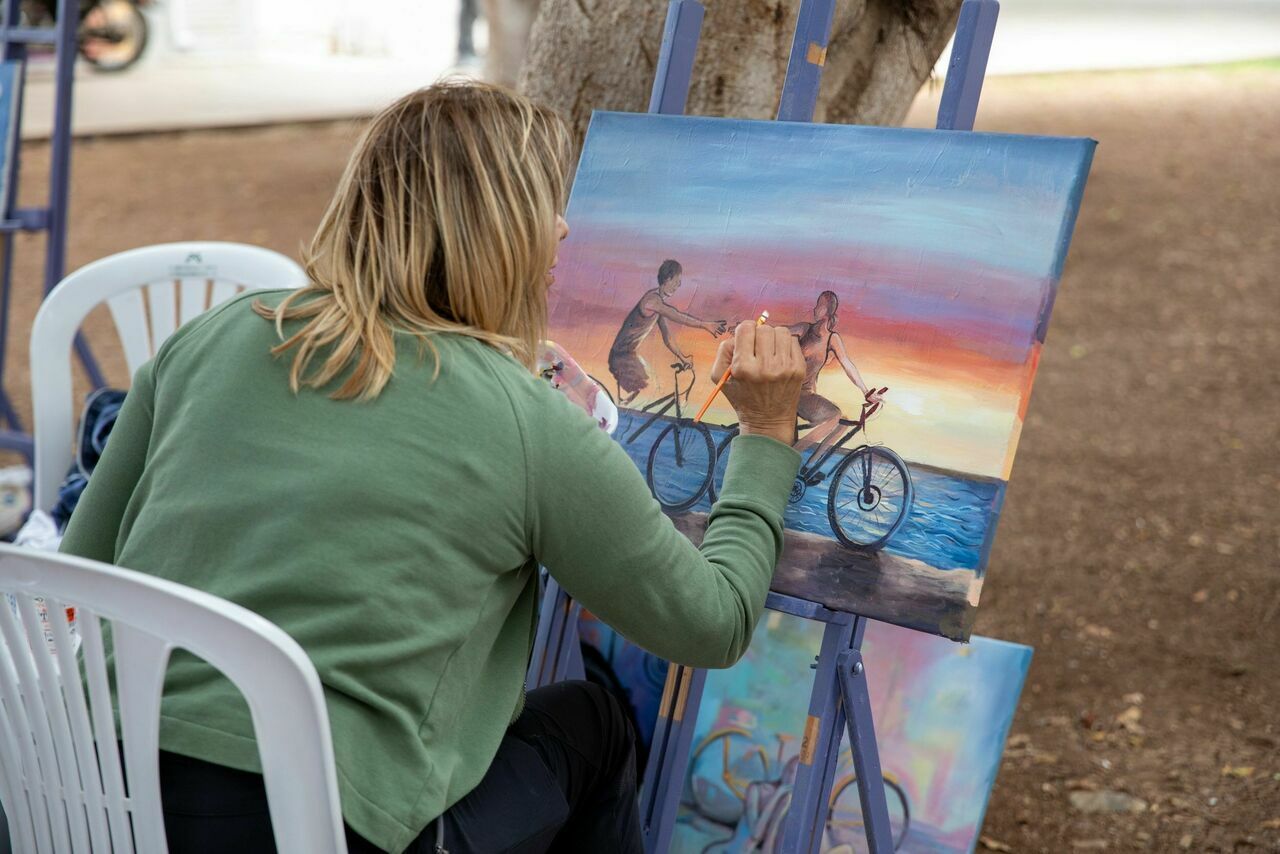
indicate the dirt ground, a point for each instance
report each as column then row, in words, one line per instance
column 1138, row 547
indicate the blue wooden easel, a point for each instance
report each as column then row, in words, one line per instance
column 839, row 700
column 52, row 218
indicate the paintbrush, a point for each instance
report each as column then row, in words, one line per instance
column 760, row 321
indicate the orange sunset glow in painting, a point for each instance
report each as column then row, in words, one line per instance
column 917, row 268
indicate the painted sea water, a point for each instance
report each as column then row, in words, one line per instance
column 947, row 527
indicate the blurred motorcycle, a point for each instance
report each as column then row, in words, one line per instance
column 111, row 34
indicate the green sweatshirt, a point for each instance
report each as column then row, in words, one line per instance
column 398, row 542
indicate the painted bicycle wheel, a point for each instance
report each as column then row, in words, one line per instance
column 680, row 465
column 721, row 770
column 844, row 816
column 870, row 497
column 722, row 464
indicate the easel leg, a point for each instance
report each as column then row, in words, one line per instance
column 7, row 411
column 664, row 777
column 821, row 744
column 866, row 756
column 12, row 438
column 555, row 652
column 569, row 664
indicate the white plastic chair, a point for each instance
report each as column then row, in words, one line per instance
column 150, row 292
column 60, row 794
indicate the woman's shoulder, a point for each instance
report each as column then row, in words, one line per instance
column 501, row 368
column 233, row 312
column 532, row 398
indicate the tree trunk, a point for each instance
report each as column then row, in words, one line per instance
column 601, row 54
column 509, row 23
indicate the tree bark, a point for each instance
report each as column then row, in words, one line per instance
column 601, row 54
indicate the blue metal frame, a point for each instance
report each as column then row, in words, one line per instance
column 675, row 57
column 52, row 219
column 968, row 66
column 808, row 57
column 556, row 652
column 839, row 700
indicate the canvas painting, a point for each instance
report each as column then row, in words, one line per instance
column 916, row 268
column 942, row 713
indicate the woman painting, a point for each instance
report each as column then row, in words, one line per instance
column 371, row 464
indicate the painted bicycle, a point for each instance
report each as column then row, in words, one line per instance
column 870, row 494
column 735, row 789
column 683, row 456
column 870, row 491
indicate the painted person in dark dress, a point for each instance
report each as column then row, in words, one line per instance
column 625, row 363
column 819, row 341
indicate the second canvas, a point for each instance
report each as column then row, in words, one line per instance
column 917, row 270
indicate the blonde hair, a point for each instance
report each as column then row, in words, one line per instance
column 443, row 221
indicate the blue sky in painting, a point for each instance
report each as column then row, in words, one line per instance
column 1009, row 214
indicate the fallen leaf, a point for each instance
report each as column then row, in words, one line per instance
column 1271, row 824
column 994, row 844
column 1241, row 771
column 1185, row 842
column 1134, row 699
column 1128, row 719
column 1107, row 800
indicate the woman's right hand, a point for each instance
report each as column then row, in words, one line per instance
column 767, row 367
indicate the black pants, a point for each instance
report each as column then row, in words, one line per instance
column 564, row 779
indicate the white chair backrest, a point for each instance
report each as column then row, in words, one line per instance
column 60, row 779
column 150, row 292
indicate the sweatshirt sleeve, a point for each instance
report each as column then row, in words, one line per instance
column 95, row 523
column 599, row 531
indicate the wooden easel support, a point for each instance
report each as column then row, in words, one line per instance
column 839, row 700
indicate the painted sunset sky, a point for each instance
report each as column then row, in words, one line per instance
column 945, row 249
